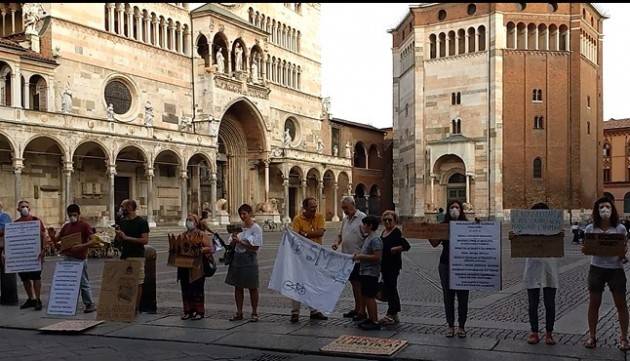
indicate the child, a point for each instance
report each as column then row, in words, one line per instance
column 369, row 271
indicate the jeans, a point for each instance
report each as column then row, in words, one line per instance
column 549, row 300
column 449, row 299
column 86, row 292
column 390, row 281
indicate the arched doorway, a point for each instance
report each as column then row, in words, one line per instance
column 360, row 156
column 359, row 197
column 456, row 188
column 38, row 93
column 198, row 183
column 327, row 206
column 166, row 202
column 6, row 77
column 295, row 182
column 7, row 178
column 90, row 184
column 42, row 179
column 450, row 172
column 241, row 139
column 374, row 202
column 130, row 181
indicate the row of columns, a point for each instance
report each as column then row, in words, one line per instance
column 588, row 48
column 551, row 41
column 149, row 30
column 443, row 46
column 286, row 75
column 4, row 14
column 17, row 91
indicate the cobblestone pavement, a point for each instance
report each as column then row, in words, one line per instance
column 499, row 315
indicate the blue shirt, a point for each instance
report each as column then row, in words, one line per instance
column 4, row 219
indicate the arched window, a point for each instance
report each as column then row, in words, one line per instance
column 459, row 98
column 511, row 35
column 442, row 45
column 38, row 93
column 588, row 127
column 626, row 203
column 564, row 38
column 359, row 156
column 456, row 126
column 471, row 40
column 453, row 99
column 451, row 43
column 538, row 122
column 203, row 50
column 373, row 157
column 606, row 149
column 553, row 37
column 433, row 44
column 537, row 168
column 461, row 41
column 521, row 36
column 482, row 38
column 542, row 37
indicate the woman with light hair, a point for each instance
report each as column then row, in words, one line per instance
column 393, row 245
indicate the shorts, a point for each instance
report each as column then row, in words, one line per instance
column 598, row 277
column 141, row 273
column 30, row 276
column 354, row 276
column 369, row 286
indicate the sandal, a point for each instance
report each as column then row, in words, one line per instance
column 197, row 316
column 186, row 316
column 623, row 345
column 533, row 338
column 461, row 333
column 450, row 332
column 237, row 317
column 254, row 317
column 387, row 321
column 549, row 339
column 590, row 343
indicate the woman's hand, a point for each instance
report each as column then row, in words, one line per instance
column 356, row 257
column 396, row 250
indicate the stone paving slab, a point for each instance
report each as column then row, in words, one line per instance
column 207, row 323
column 561, row 350
column 289, row 343
column 179, row 334
column 340, row 331
column 435, row 353
column 433, row 340
column 271, row 327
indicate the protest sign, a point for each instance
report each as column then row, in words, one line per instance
column 536, row 221
column 309, row 273
column 605, row 244
column 537, row 246
column 70, row 240
column 437, row 231
column 365, row 345
column 22, row 247
column 65, row 288
column 475, row 255
column 185, row 250
column 119, row 291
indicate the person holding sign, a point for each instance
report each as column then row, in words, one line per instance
column 32, row 281
column 370, row 268
column 133, row 232
column 541, row 272
column 606, row 270
column 455, row 213
column 243, row 270
column 311, row 225
column 192, row 279
column 78, row 252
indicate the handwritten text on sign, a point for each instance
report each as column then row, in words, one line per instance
column 475, row 255
column 536, row 221
column 22, row 247
column 65, row 288
column 309, row 273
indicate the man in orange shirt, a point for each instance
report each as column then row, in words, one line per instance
column 311, row 225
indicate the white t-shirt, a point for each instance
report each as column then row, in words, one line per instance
column 606, row 262
column 253, row 235
column 541, row 272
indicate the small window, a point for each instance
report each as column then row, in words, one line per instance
column 118, row 94
column 406, row 110
column 588, row 128
column 459, row 98
column 588, row 101
column 456, row 125
column 521, row 6
column 606, row 175
column 441, row 15
column 540, row 95
column 538, row 122
column 537, row 168
column 472, row 9
column 606, row 150
column 553, row 7
column 453, row 99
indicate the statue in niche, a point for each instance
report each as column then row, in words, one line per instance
column 220, row 61
column 238, row 52
column 335, row 150
column 255, row 70
column 148, row 114
column 287, row 138
column 320, row 146
column 66, row 99
column 348, row 150
column 110, row 112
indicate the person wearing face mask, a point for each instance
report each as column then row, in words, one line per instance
column 192, row 280
column 32, row 281
column 606, row 270
column 79, row 252
column 454, row 213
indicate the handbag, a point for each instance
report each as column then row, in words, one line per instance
column 228, row 255
column 209, row 266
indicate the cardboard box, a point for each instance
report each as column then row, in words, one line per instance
column 432, row 231
column 605, row 244
column 70, row 240
column 537, row 246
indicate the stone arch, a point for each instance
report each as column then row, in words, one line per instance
column 444, row 168
column 531, row 36
column 511, row 35
column 38, row 93
column 220, row 42
column 296, row 192
column 360, row 192
column 256, row 56
column 90, row 161
column 6, row 79
column 198, row 170
column 442, row 45
column 521, row 35
column 461, row 39
column 373, row 157
column 481, row 33
column 244, row 54
column 564, row 38
column 472, row 34
column 542, row 37
column 360, row 155
column 259, row 136
column 553, row 37
column 374, row 202
column 95, row 141
column 451, row 42
column 53, row 138
column 327, row 206
column 203, row 49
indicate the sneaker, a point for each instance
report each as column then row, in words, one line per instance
column 370, row 326
column 359, row 317
column 28, row 304
column 318, row 316
column 350, row 314
column 38, row 305
column 89, row 308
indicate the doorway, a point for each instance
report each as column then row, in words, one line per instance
column 292, row 198
column 122, row 186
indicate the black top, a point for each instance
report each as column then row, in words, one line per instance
column 393, row 262
column 445, row 249
column 133, row 228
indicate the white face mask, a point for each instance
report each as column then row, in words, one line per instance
column 454, row 213
column 605, row 212
column 73, row 219
column 190, row 225
column 24, row 211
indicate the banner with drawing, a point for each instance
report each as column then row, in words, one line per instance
column 309, row 273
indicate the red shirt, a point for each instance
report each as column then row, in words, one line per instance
column 77, row 227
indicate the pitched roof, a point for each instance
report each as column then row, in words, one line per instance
column 616, row 123
column 210, row 7
column 355, row 124
column 11, row 42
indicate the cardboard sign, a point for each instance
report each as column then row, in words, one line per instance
column 185, row 251
column 475, row 256
column 537, row 246
column 65, row 288
column 365, row 345
column 70, row 240
column 605, row 244
column 119, row 291
column 71, row 326
column 536, row 221
column 23, row 246
column 437, row 231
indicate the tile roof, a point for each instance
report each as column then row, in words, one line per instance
column 355, row 124
column 616, row 123
column 11, row 42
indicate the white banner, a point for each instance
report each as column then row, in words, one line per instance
column 65, row 288
column 475, row 256
column 22, row 246
column 536, row 221
column 309, row 273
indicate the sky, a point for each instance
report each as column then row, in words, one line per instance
column 357, row 59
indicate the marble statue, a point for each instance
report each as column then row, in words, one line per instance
column 287, row 138
column 326, row 105
column 255, row 71
column 348, row 150
column 221, row 205
column 238, row 52
column 66, row 99
column 335, row 151
column 110, row 112
column 33, row 12
column 320, row 146
column 148, row 114
column 214, row 128
column 220, row 61
column 267, row 207
column 185, row 123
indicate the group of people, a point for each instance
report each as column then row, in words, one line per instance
column 377, row 257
